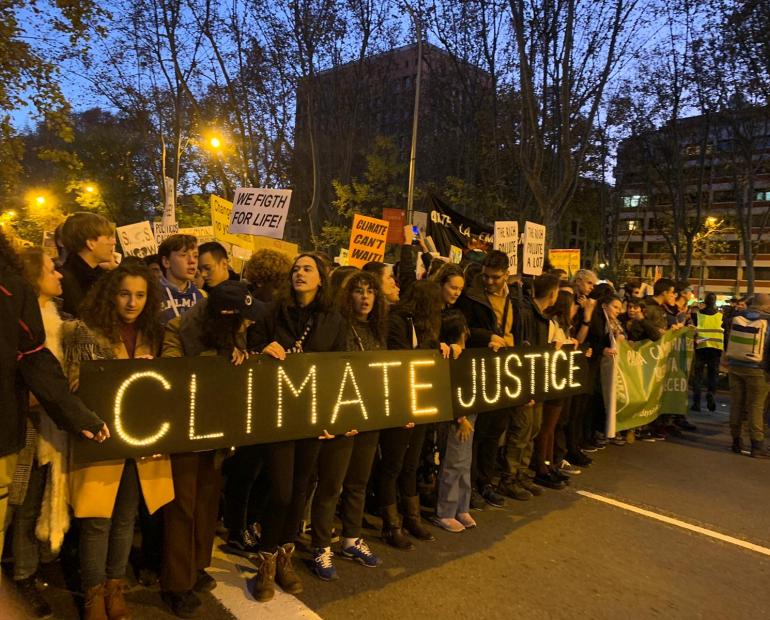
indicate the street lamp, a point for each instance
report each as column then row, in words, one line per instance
column 215, row 143
column 90, row 189
column 40, row 200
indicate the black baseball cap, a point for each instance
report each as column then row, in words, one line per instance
column 231, row 297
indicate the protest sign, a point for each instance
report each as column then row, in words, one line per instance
column 448, row 227
column 284, row 247
column 260, row 211
column 507, row 240
column 220, row 222
column 169, row 204
column 420, row 219
column 647, row 379
column 367, row 240
column 396, row 219
column 173, row 405
column 203, row 234
column 534, row 249
column 566, row 259
column 137, row 239
column 163, row 231
column 49, row 244
column 342, row 259
column 455, row 254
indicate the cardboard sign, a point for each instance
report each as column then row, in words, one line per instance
column 507, row 240
column 367, row 240
column 49, row 244
column 342, row 259
column 204, row 234
column 534, row 249
column 566, row 259
column 167, row 406
column 455, row 254
column 260, row 211
column 220, row 222
column 169, row 205
column 396, row 218
column 163, row 231
column 137, row 239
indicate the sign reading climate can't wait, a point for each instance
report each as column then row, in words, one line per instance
column 260, row 211
column 367, row 240
column 174, row 405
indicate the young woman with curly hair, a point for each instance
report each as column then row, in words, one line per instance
column 119, row 320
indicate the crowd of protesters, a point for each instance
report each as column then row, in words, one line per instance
column 186, row 301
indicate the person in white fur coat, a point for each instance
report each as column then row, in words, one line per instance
column 39, row 490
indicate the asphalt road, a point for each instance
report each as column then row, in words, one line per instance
column 563, row 555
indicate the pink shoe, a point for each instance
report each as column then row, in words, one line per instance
column 450, row 525
column 466, row 520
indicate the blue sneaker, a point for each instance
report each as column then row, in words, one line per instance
column 360, row 551
column 322, row 563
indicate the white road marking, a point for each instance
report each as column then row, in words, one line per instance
column 683, row 524
column 233, row 573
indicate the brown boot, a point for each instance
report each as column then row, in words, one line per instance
column 391, row 529
column 264, row 584
column 114, row 601
column 285, row 574
column 93, row 607
column 413, row 520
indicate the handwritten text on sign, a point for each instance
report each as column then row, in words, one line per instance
column 507, row 240
column 367, row 240
column 203, row 403
column 260, row 211
column 137, row 239
column 534, row 249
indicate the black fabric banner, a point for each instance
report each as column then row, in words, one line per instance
column 173, row 405
column 448, row 227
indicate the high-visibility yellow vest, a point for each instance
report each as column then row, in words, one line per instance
column 710, row 333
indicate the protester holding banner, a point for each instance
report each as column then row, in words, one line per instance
column 179, row 259
column 361, row 303
column 302, row 319
column 89, row 239
column 118, row 321
column 190, row 520
column 412, row 324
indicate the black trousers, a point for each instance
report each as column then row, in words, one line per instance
column 279, row 462
column 560, row 444
column 241, row 470
column 707, row 359
column 401, row 449
column 356, row 480
column 486, row 437
column 333, row 459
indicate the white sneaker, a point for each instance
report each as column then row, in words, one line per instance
column 567, row 468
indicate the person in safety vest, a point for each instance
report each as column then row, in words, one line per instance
column 709, row 344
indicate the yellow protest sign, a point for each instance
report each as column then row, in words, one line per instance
column 566, row 259
column 284, row 247
column 367, row 240
column 220, row 221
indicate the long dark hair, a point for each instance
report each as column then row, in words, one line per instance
column 218, row 330
column 100, row 313
column 376, row 318
column 423, row 302
column 323, row 298
column 9, row 259
column 562, row 309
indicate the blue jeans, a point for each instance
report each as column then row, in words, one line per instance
column 106, row 543
column 454, row 478
column 26, row 546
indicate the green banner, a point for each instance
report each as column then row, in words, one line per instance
column 647, row 379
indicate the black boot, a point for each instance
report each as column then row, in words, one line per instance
column 711, row 404
column 737, row 445
column 391, row 529
column 695, row 405
column 36, row 605
column 758, row 450
column 413, row 521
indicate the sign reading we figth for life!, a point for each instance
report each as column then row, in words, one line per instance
column 260, row 211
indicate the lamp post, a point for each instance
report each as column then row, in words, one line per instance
column 416, row 116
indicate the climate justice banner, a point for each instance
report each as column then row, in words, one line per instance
column 173, row 405
column 647, row 379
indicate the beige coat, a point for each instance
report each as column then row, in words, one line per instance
column 94, row 487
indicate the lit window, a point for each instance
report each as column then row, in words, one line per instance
column 764, row 195
column 631, row 202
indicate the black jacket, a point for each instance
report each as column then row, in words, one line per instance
column 400, row 324
column 473, row 303
column 530, row 325
column 78, row 278
column 286, row 324
column 26, row 365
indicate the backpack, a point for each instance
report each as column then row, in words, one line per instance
column 746, row 342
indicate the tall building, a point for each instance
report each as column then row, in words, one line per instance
column 715, row 168
column 352, row 104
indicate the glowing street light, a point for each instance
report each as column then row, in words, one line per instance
column 215, row 143
column 90, row 189
column 711, row 221
column 40, row 200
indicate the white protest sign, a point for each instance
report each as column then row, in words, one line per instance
column 169, row 207
column 534, row 249
column 163, row 231
column 507, row 240
column 260, row 211
column 455, row 254
column 204, row 234
column 137, row 239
